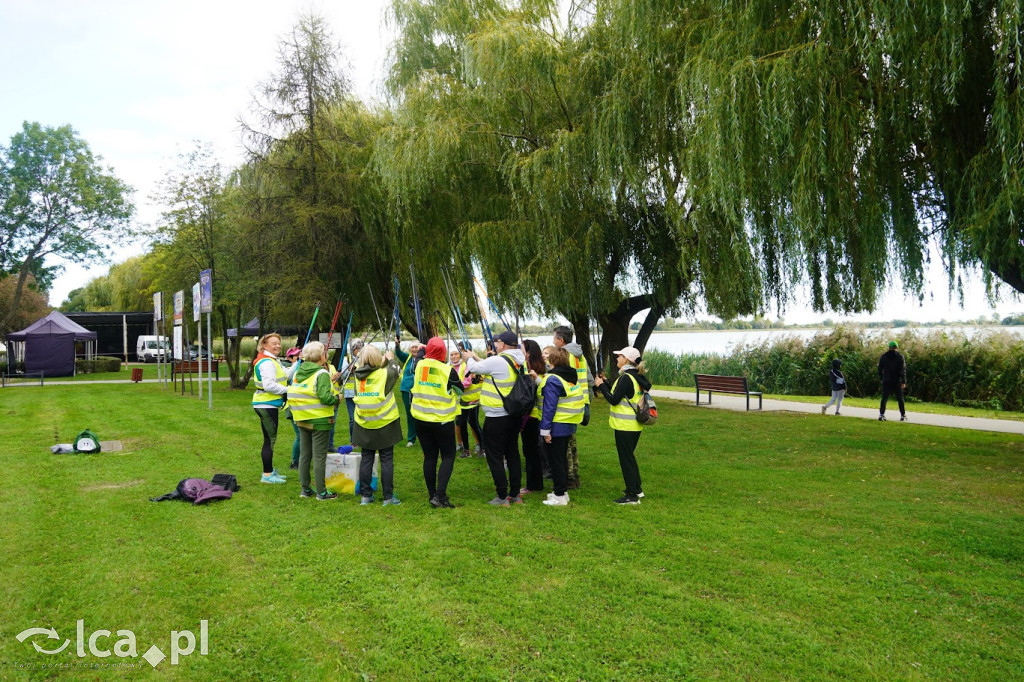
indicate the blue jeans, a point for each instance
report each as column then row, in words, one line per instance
column 295, row 443
column 350, row 403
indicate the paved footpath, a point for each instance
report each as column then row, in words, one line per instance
column 724, row 401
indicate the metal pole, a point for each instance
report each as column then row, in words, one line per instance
column 209, row 374
column 199, row 340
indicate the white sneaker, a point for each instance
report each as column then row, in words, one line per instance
column 557, row 500
column 550, row 496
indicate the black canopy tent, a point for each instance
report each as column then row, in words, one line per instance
column 48, row 345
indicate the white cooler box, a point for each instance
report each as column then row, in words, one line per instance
column 342, row 473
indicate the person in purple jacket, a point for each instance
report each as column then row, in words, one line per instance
column 562, row 404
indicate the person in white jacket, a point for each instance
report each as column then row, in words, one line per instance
column 501, row 430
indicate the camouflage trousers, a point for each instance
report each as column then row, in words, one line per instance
column 574, row 463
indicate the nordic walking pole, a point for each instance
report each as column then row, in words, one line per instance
column 334, row 321
column 316, row 311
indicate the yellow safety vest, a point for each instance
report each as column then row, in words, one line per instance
column 471, row 395
column 263, row 397
column 334, row 387
column 570, row 405
column 350, row 383
column 535, row 413
column 621, row 417
column 303, row 401
column 580, row 365
column 431, row 401
column 374, row 410
column 489, row 396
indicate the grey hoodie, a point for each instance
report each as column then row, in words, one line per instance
column 576, row 350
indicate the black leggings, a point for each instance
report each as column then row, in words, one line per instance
column 625, row 444
column 532, row 455
column 470, row 415
column 557, row 454
column 437, row 439
column 268, row 424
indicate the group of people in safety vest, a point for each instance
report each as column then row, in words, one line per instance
column 443, row 392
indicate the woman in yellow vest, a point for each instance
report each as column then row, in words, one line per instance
column 435, row 404
column 530, row 431
column 561, row 405
column 377, row 426
column 271, row 386
column 311, row 399
column 469, row 406
column 622, row 400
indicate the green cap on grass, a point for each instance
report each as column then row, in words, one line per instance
column 893, row 344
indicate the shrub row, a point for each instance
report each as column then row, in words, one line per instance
column 946, row 367
column 98, row 364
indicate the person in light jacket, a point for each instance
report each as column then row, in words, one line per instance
column 837, row 380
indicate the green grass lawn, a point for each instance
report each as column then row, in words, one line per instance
column 872, row 402
column 770, row 546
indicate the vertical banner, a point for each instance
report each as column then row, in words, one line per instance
column 197, row 317
column 206, row 293
column 177, row 342
column 158, row 306
column 179, row 307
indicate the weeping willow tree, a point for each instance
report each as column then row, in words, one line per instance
column 492, row 153
column 840, row 137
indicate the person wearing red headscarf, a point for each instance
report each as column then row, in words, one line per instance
column 435, row 405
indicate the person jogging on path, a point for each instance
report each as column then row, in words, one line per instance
column 892, row 372
column 501, row 430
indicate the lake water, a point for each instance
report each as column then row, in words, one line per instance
column 725, row 341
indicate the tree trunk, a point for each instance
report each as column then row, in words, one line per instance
column 615, row 326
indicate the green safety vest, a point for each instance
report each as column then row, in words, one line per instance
column 580, row 365
column 431, row 401
column 303, row 401
column 489, row 396
column 261, row 397
column 374, row 410
column 621, row 417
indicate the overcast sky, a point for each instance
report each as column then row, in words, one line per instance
column 141, row 80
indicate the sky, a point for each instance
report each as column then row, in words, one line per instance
column 141, row 81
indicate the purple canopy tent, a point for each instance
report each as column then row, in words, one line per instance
column 48, row 345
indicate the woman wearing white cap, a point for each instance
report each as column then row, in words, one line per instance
column 622, row 398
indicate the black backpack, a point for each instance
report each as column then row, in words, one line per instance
column 523, row 396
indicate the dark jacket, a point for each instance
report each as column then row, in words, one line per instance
column 550, row 394
column 386, row 436
column 835, row 375
column 624, row 389
column 892, row 368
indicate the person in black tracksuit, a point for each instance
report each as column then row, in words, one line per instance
column 626, row 440
column 892, row 372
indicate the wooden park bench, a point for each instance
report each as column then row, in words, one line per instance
column 192, row 367
column 719, row 384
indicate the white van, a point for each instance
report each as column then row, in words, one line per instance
column 150, row 349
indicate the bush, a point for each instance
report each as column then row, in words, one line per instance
column 18, row 367
column 98, row 364
column 945, row 367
